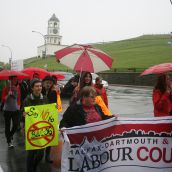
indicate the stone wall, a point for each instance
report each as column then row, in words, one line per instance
column 129, row 78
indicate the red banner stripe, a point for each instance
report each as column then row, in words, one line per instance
column 119, row 130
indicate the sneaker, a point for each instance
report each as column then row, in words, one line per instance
column 10, row 145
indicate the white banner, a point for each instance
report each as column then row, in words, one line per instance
column 119, row 145
column 17, row 65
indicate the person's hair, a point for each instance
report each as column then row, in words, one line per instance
column 48, row 78
column 12, row 77
column 161, row 83
column 82, row 81
column 88, row 91
column 98, row 79
column 55, row 79
column 36, row 75
column 34, row 81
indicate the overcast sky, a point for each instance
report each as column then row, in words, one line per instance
column 81, row 21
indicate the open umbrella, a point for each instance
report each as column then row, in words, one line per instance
column 57, row 75
column 35, row 71
column 157, row 69
column 6, row 74
column 84, row 58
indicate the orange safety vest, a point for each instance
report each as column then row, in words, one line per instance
column 104, row 108
column 59, row 102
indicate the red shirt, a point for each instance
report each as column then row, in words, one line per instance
column 92, row 114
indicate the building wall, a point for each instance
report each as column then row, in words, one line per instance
column 50, row 49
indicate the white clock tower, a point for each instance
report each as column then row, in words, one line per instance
column 53, row 36
column 52, row 39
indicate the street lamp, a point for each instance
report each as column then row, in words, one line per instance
column 170, row 42
column 10, row 59
column 43, row 54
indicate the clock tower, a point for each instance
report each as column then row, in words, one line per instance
column 52, row 41
column 53, row 36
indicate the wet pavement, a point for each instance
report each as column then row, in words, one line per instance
column 130, row 101
column 124, row 101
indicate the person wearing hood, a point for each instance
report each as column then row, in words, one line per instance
column 101, row 90
column 162, row 96
column 50, row 92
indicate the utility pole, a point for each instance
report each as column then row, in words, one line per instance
column 11, row 55
column 44, row 54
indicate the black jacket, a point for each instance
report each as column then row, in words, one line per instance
column 75, row 116
column 32, row 100
column 51, row 96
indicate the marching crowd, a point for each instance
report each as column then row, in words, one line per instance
column 82, row 108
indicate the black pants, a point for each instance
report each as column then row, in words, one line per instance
column 47, row 152
column 33, row 159
column 9, row 131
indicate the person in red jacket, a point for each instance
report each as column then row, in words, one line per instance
column 101, row 90
column 162, row 96
column 11, row 101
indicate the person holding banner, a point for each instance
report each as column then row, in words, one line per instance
column 35, row 98
column 162, row 96
column 83, row 111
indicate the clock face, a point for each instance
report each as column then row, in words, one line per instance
column 54, row 31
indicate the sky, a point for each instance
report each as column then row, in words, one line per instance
column 81, row 21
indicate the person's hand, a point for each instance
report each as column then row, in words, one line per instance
column 61, row 130
column 115, row 115
column 24, row 114
column 10, row 93
column 56, row 106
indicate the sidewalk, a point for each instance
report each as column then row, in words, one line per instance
column 14, row 160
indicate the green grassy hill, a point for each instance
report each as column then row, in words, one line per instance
column 141, row 52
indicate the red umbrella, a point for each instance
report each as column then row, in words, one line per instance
column 58, row 76
column 84, row 58
column 157, row 69
column 35, row 71
column 5, row 74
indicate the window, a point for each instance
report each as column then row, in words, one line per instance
column 55, row 24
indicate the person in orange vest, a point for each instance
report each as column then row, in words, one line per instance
column 11, row 100
column 101, row 90
column 162, row 96
column 84, row 111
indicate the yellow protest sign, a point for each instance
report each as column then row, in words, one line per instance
column 104, row 108
column 41, row 126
